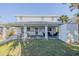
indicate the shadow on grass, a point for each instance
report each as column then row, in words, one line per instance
column 48, row 48
column 42, row 48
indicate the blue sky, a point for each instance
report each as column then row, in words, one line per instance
column 10, row 10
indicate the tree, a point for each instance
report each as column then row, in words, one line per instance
column 77, row 14
column 64, row 18
column 73, row 6
column 77, row 17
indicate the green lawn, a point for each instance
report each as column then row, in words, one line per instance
column 39, row 48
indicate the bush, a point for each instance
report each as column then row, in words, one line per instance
column 11, row 33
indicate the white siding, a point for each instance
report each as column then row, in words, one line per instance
column 63, row 32
column 30, row 19
column 32, row 31
column 69, row 32
column 35, row 18
column 73, row 29
column 40, row 31
column 49, row 19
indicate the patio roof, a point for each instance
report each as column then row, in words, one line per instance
column 34, row 23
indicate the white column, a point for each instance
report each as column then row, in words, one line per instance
column 46, row 32
column 4, row 33
column 25, row 32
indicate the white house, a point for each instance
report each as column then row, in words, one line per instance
column 35, row 26
column 39, row 26
column 43, row 27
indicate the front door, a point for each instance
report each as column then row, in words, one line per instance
column 49, row 31
column 36, row 31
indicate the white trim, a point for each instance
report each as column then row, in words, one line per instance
column 46, row 32
column 37, row 15
column 25, row 32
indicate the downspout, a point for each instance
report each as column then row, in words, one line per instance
column 78, row 33
column 77, row 21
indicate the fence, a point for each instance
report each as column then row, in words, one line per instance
column 9, row 39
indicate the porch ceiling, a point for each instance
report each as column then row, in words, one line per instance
column 34, row 23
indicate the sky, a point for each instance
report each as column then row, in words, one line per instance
column 8, row 11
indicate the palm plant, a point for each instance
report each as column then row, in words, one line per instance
column 64, row 19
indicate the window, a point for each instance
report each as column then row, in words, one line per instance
column 36, row 29
column 49, row 29
column 28, row 28
column 36, row 33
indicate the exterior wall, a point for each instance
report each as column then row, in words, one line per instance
column 32, row 31
column 73, row 31
column 40, row 30
column 69, row 32
column 63, row 32
column 36, row 18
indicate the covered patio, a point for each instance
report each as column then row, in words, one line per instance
column 34, row 30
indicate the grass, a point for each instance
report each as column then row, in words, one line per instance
column 49, row 48
column 10, row 48
column 39, row 48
